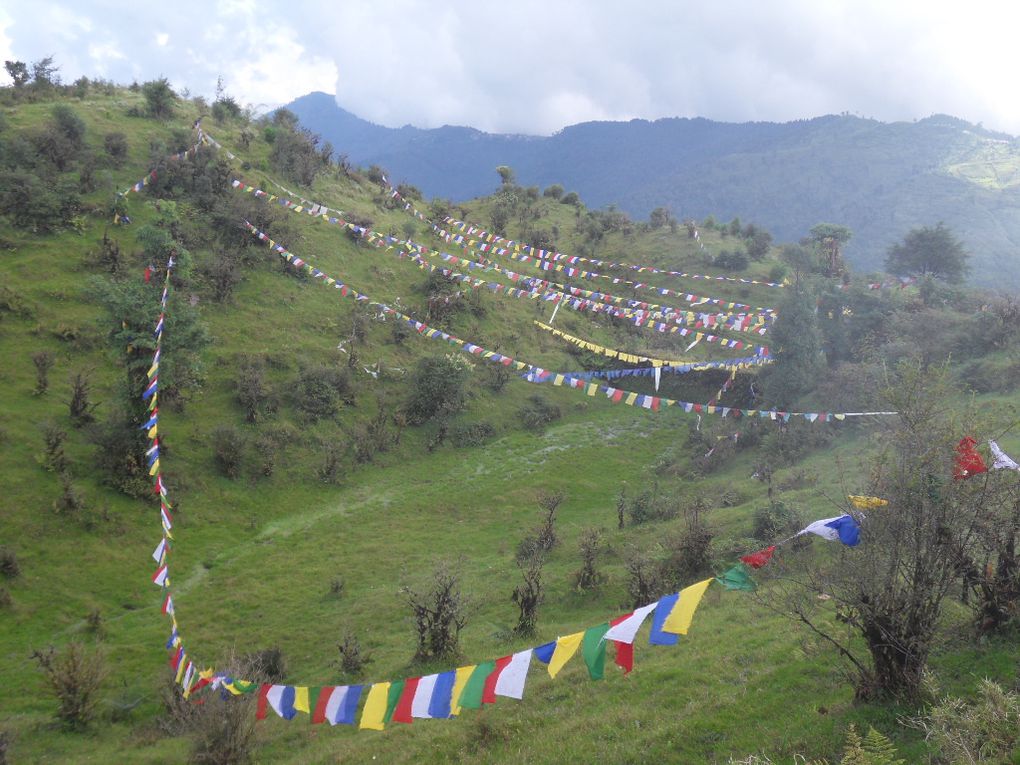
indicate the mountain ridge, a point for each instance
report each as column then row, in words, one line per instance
column 881, row 179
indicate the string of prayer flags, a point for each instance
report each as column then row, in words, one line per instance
column 867, row 503
column 844, row 528
column 634, row 358
column 381, row 239
column 968, row 461
column 1002, row 460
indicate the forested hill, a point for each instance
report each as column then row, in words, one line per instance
column 880, row 179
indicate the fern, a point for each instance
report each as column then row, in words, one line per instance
column 873, row 749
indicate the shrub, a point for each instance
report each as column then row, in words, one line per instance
column 320, row 391
column 74, row 676
column 689, row 552
column 543, row 538
column 987, row 729
column 116, row 146
column 223, row 730
column 571, row 198
column 119, row 456
column 9, row 565
column 642, row 579
column 538, row 413
column 588, row 577
column 437, row 388
column 159, row 98
column 252, row 392
column 774, row 521
column 332, row 455
column 71, row 501
column 228, row 450
column 54, row 458
column 352, row 659
column 471, row 434
column 731, row 261
column 528, row 596
column 79, row 406
column 43, row 361
column 440, row 612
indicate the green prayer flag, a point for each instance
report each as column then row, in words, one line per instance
column 593, row 649
column 471, row 696
column 392, row 697
column 245, row 687
column 737, row 578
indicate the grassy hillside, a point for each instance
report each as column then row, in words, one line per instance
column 289, row 560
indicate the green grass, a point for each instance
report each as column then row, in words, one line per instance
column 255, row 557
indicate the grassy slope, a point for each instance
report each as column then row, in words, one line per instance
column 255, row 556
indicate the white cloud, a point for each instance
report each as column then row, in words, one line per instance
column 535, row 66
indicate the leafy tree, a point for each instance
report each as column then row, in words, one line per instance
column 796, row 346
column 35, row 205
column 829, row 239
column 506, row 175
column 18, row 72
column 659, row 217
column 928, row 251
column 890, row 592
column 554, row 192
column 159, row 97
column 758, row 244
column 44, row 73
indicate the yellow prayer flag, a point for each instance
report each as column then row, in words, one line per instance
column 566, row 647
column 459, row 681
column 867, row 503
column 372, row 716
column 679, row 619
column 180, row 668
column 631, row 398
column 301, row 699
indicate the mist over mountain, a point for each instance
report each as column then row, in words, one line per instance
column 880, row 179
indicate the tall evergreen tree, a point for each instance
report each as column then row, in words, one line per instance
column 796, row 345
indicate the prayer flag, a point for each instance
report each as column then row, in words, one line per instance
column 737, row 578
column 463, row 675
column 489, row 689
column 679, row 620
column 511, row 680
column 403, row 713
column 1002, row 460
column 375, row 707
column 662, row 610
column 968, row 461
column 625, row 628
column 593, row 649
column 867, row 503
column 760, row 558
column 474, row 688
column 844, row 528
column 440, row 707
column 566, row 647
column 423, row 696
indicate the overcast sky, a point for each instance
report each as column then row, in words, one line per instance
column 535, row 66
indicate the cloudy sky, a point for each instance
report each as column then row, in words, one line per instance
column 534, row 66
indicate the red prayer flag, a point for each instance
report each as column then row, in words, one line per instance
column 148, row 273
column 319, row 715
column 760, row 558
column 402, row 713
column 260, row 712
column 968, row 460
